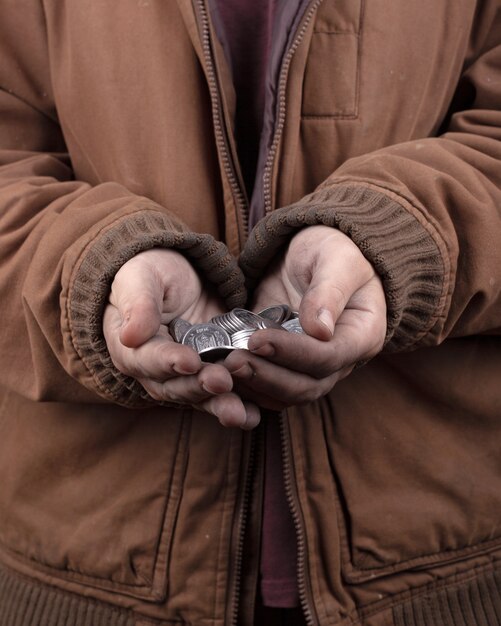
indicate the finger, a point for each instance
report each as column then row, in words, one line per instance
column 231, row 411
column 361, row 330
column 359, row 335
column 332, row 285
column 268, row 379
column 293, row 351
column 253, row 415
column 246, row 392
column 210, row 381
column 158, row 358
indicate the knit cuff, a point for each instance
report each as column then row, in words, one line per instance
column 402, row 250
column 91, row 283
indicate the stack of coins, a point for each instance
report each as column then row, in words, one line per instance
column 230, row 331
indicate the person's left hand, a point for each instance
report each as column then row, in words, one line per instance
column 342, row 310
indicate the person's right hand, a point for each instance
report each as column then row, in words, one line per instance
column 149, row 291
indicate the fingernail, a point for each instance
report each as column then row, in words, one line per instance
column 206, row 389
column 325, row 317
column 265, row 350
column 244, row 371
column 184, row 371
column 252, row 417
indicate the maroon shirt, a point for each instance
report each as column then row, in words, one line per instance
column 245, row 29
column 278, row 546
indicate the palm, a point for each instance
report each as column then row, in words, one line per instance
column 148, row 292
column 341, row 305
column 176, row 286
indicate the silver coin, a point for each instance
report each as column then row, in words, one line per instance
column 264, row 324
column 215, row 354
column 247, row 319
column 278, row 313
column 293, row 326
column 241, row 338
column 228, row 321
column 205, row 336
column 178, row 328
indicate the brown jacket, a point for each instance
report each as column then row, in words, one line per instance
column 116, row 136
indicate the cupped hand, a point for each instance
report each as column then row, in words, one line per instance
column 342, row 309
column 147, row 293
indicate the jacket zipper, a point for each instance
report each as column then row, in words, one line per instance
column 280, row 120
column 235, row 573
column 241, row 202
column 242, row 206
column 304, row 588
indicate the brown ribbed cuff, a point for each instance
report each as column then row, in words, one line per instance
column 402, row 251
column 93, row 277
column 26, row 603
column 473, row 603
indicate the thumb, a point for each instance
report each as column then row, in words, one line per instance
column 138, row 297
column 322, row 304
column 337, row 270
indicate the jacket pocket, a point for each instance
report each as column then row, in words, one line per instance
column 414, row 448
column 89, row 494
column 331, row 79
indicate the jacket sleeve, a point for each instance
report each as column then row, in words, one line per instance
column 62, row 241
column 426, row 213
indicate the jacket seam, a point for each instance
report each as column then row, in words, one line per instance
column 307, row 117
column 42, row 585
column 356, row 108
column 457, row 578
column 15, row 95
column 433, row 558
column 358, row 615
column 336, row 32
column 69, row 574
column 172, row 499
column 3, row 402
